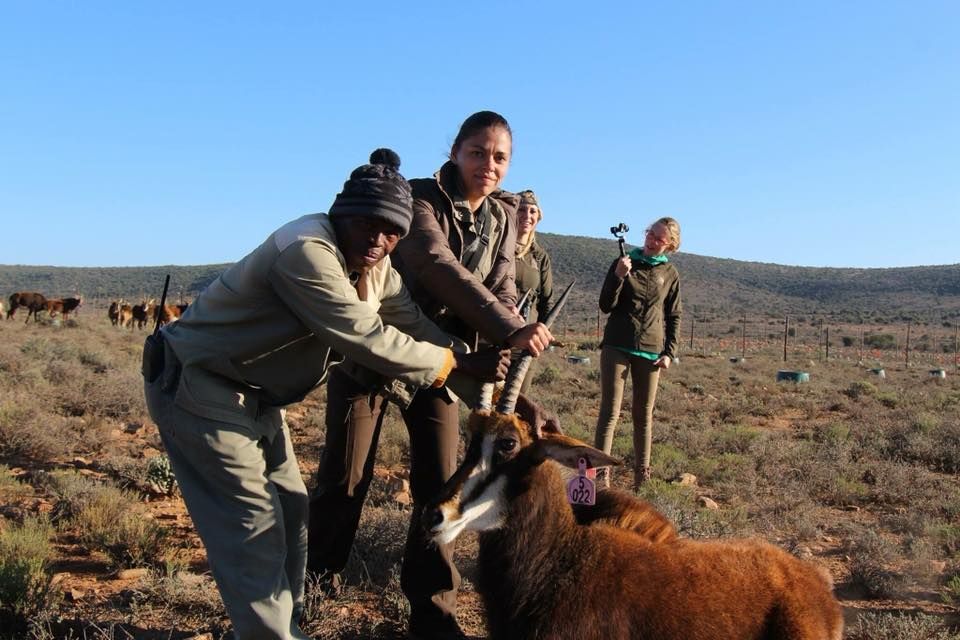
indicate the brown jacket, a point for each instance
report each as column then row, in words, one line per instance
column 644, row 308
column 429, row 260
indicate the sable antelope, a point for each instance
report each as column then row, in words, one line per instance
column 114, row 311
column 142, row 313
column 125, row 316
column 64, row 306
column 543, row 575
column 169, row 313
column 32, row 301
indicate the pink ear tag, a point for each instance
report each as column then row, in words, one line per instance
column 582, row 490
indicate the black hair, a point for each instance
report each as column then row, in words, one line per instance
column 478, row 122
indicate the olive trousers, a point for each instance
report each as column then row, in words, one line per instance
column 249, row 504
column 615, row 365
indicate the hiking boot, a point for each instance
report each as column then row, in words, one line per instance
column 640, row 476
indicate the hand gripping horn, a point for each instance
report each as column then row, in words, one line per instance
column 508, row 399
column 485, row 401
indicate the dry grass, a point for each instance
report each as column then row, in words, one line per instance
column 855, row 471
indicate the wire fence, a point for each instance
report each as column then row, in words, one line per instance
column 811, row 339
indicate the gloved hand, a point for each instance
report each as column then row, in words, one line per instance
column 488, row 365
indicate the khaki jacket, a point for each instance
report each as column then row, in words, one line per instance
column 644, row 308
column 429, row 259
column 264, row 333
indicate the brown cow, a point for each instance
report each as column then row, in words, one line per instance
column 65, row 306
column 31, row 300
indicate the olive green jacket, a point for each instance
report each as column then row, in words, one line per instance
column 535, row 274
column 644, row 308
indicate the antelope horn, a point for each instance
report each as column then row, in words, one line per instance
column 485, row 401
column 518, row 371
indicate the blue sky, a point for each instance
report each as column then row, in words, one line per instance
column 822, row 133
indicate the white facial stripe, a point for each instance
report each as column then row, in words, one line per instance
column 482, row 514
column 476, row 512
column 481, row 470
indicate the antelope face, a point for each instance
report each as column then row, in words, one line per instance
column 475, row 498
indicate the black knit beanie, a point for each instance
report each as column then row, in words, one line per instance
column 377, row 190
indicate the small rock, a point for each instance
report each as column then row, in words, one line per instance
column 403, row 498
column 57, row 578
column 75, row 595
column 803, row 552
column 938, row 566
column 133, row 574
column 707, row 503
column 687, row 480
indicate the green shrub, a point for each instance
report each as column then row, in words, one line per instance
column 113, row 522
column 888, row 399
column 895, row 626
column 948, row 536
column 925, row 422
column 951, row 592
column 25, row 554
column 861, row 388
column 734, row 439
column 547, row 375
column 10, row 488
column 880, row 341
column 668, row 461
column 869, row 565
column 833, row 433
column 160, row 475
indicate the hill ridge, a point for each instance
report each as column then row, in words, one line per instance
column 710, row 285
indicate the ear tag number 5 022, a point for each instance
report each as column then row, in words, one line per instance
column 582, row 489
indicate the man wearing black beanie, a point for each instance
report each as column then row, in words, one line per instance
column 260, row 337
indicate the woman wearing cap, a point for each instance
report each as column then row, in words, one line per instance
column 260, row 337
column 534, row 272
column 642, row 295
column 458, row 263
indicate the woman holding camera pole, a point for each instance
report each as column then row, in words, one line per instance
column 642, row 295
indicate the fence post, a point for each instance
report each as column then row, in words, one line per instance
column 786, row 330
column 743, row 337
column 906, row 351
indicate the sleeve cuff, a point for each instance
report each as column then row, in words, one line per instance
column 444, row 371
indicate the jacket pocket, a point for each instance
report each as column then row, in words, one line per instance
column 214, row 397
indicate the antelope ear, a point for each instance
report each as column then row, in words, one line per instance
column 568, row 451
column 543, row 422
